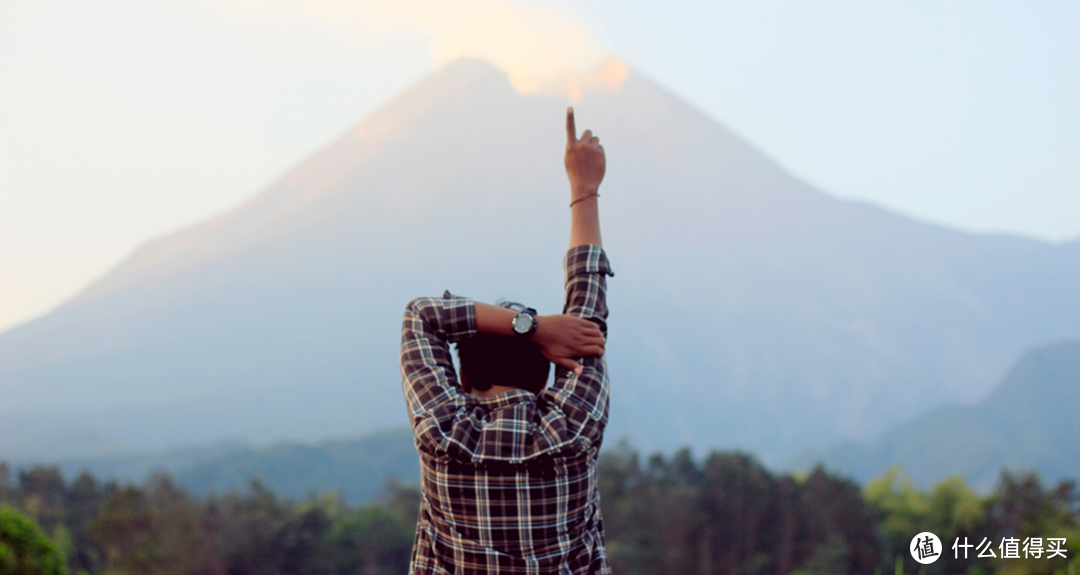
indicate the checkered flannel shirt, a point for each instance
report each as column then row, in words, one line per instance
column 509, row 482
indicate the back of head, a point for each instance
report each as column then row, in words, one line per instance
column 488, row 360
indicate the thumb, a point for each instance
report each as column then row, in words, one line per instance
column 569, row 364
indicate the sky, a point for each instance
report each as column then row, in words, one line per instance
column 124, row 120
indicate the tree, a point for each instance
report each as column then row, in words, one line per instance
column 155, row 530
column 7, row 490
column 738, row 503
column 837, row 526
column 82, row 503
column 1021, row 508
column 951, row 510
column 42, row 494
column 24, row 549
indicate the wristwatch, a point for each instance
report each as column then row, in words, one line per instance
column 524, row 323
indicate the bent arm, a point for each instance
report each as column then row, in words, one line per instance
column 433, row 395
column 561, row 338
column 448, row 423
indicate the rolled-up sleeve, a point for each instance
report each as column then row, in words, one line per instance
column 579, row 403
column 433, row 394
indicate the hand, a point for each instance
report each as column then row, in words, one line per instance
column 561, row 338
column 585, row 161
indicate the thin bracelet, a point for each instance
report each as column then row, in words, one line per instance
column 583, row 198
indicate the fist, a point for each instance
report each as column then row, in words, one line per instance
column 585, row 162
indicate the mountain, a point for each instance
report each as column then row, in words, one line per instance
column 749, row 310
column 358, row 469
column 1029, row 421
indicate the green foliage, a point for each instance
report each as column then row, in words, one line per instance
column 730, row 515
column 158, row 528
column 151, row 530
column 24, row 549
column 1020, row 507
column 725, row 514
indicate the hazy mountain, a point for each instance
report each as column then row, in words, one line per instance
column 135, row 468
column 748, row 309
column 357, row 469
column 1030, row 421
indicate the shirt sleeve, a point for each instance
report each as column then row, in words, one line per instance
column 433, row 395
column 513, row 427
column 580, row 403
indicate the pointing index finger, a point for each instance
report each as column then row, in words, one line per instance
column 571, row 129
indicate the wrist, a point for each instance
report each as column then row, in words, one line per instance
column 579, row 190
column 538, row 334
column 524, row 323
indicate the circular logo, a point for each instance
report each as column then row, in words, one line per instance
column 925, row 548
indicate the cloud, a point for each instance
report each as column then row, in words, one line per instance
column 534, row 42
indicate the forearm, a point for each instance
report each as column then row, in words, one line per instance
column 494, row 320
column 429, row 324
column 585, row 218
column 585, row 167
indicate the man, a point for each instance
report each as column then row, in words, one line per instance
column 508, row 468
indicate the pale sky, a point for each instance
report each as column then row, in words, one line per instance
column 122, row 120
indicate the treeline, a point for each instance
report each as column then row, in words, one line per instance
column 158, row 528
column 726, row 514
column 729, row 515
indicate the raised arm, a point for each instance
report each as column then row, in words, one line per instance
column 568, row 417
column 585, row 166
column 582, row 396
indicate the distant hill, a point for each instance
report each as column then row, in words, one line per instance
column 1030, row 421
column 749, row 310
column 356, row 469
column 134, row 468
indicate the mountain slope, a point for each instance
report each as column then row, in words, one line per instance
column 357, row 469
column 1029, row 421
column 749, row 310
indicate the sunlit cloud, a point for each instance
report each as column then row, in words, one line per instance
column 535, row 43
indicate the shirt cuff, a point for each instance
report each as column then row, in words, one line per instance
column 586, row 260
column 457, row 315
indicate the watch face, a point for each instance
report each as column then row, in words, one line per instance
column 522, row 322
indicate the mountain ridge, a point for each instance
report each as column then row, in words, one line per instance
column 750, row 310
column 1027, row 422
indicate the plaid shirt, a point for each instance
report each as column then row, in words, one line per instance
column 509, row 481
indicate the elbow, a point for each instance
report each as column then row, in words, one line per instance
column 423, row 309
column 418, row 307
column 414, row 306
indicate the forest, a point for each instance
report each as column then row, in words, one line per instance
column 721, row 514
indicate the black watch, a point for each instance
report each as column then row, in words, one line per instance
column 524, row 323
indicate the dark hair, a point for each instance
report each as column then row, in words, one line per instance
column 488, row 360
